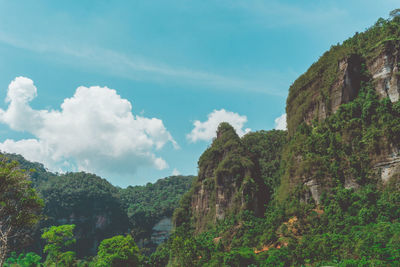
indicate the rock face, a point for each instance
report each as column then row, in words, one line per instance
column 383, row 66
column 344, row 89
column 347, row 85
column 327, row 85
column 228, row 181
column 385, row 71
column 389, row 166
column 161, row 231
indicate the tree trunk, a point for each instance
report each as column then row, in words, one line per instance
column 4, row 245
column 3, row 253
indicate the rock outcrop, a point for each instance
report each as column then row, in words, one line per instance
column 385, row 71
column 336, row 79
column 228, row 181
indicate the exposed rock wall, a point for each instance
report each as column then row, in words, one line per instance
column 385, row 71
column 381, row 66
column 161, row 230
column 389, row 166
column 228, row 181
column 344, row 89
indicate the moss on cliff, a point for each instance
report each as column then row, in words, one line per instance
column 342, row 149
column 315, row 85
column 326, row 201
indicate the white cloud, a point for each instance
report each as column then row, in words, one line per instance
column 207, row 130
column 94, row 131
column 175, row 172
column 280, row 122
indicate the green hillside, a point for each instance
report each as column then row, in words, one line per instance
column 333, row 194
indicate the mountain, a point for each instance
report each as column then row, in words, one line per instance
column 351, row 97
column 229, row 181
column 149, row 208
column 100, row 210
column 326, row 192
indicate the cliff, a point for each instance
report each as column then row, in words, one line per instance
column 367, row 63
column 330, row 185
column 228, row 181
column 236, row 175
column 335, row 79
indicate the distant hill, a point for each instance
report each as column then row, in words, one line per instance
column 100, row 210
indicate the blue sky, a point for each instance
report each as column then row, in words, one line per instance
column 176, row 61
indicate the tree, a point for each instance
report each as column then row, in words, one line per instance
column 59, row 238
column 26, row 260
column 118, row 251
column 20, row 206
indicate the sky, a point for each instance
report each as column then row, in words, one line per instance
column 134, row 90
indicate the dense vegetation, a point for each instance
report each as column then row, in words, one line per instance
column 234, row 174
column 355, row 219
column 146, row 205
column 116, row 251
column 270, row 215
column 20, row 207
column 97, row 209
column 88, row 201
column 325, row 71
column 238, row 230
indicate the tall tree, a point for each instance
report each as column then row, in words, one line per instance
column 118, row 251
column 59, row 239
column 20, row 206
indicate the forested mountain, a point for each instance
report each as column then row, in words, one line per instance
column 324, row 192
column 327, row 192
column 100, row 210
column 146, row 205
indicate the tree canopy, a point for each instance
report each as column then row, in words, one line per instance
column 20, row 206
column 59, row 239
column 118, row 251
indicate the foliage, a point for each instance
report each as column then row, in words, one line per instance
column 161, row 256
column 98, row 209
column 59, row 239
column 356, row 220
column 245, row 168
column 117, row 251
column 228, row 242
column 266, row 148
column 340, row 148
column 146, row 205
column 23, row 260
column 89, row 202
column 19, row 206
column 314, row 85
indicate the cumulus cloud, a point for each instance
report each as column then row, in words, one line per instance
column 175, row 172
column 93, row 131
column 280, row 122
column 207, row 130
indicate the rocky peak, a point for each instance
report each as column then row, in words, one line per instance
column 228, row 180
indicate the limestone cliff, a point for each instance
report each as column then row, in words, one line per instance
column 384, row 69
column 228, row 181
column 367, row 60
